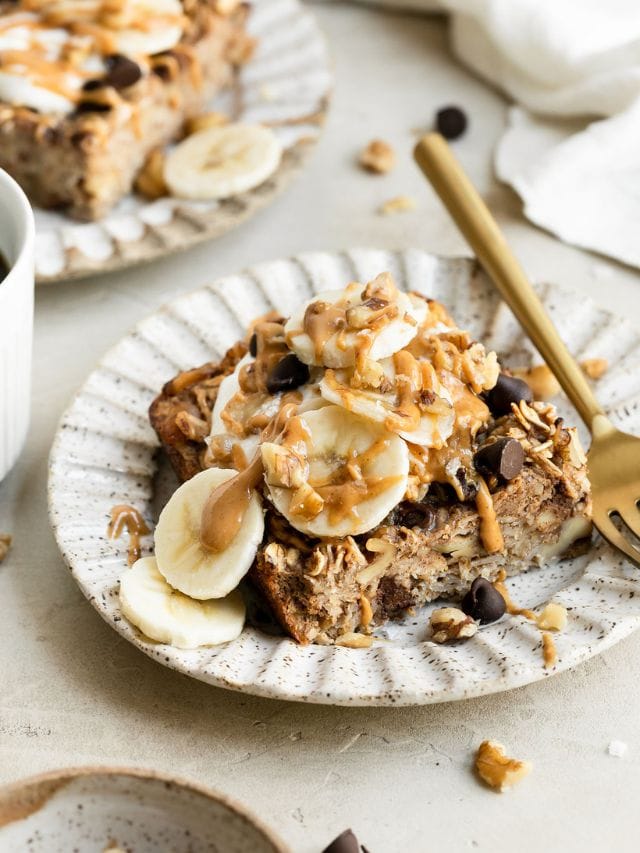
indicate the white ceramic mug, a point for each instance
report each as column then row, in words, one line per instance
column 16, row 320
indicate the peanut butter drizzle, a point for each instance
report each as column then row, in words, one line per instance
column 512, row 608
column 490, row 532
column 549, row 652
column 128, row 517
column 321, row 322
column 226, row 507
column 348, row 486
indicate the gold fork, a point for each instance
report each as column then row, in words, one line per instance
column 614, row 456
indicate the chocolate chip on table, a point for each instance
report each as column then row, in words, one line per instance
column 483, row 602
column 507, row 390
column 451, row 122
column 253, row 345
column 122, row 72
column 503, row 457
column 346, row 842
column 289, row 373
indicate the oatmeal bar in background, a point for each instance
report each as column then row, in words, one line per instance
column 86, row 93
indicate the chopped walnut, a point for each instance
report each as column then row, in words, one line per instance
column 204, row 122
column 595, row 368
column 195, row 429
column 552, row 618
column 496, row 769
column 5, row 544
column 378, row 157
column 150, row 180
column 399, row 204
column 283, row 467
column 449, row 624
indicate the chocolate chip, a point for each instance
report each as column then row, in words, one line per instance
column 412, row 514
column 507, row 390
column 451, row 122
column 483, row 602
column 468, row 488
column 346, row 842
column 122, row 72
column 253, row 345
column 92, row 85
column 93, row 107
column 504, row 458
column 289, row 373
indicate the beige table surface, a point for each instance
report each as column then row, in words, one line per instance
column 72, row 692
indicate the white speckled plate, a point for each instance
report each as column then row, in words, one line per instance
column 105, row 453
column 286, row 86
column 118, row 809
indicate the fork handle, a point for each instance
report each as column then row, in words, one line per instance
column 481, row 231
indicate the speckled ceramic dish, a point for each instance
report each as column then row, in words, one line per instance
column 286, row 86
column 96, row 810
column 105, row 452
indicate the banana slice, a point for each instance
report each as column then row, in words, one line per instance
column 407, row 398
column 162, row 30
column 336, row 326
column 167, row 616
column 222, row 161
column 333, row 473
column 183, row 561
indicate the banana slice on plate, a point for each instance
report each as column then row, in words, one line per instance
column 167, row 616
column 333, row 473
column 183, row 561
column 337, row 325
column 220, row 162
column 403, row 394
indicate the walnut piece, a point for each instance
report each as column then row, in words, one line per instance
column 399, row 204
column 540, row 379
column 552, row 618
column 378, row 157
column 595, row 368
column 5, row 544
column 150, row 180
column 449, row 624
column 204, row 122
column 496, row 769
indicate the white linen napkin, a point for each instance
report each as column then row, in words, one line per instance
column 572, row 147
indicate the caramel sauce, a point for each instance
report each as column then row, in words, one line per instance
column 124, row 517
column 490, row 532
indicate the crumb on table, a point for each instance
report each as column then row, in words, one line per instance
column 399, row 204
column 378, row 157
column 5, row 544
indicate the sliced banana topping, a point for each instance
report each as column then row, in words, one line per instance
column 340, row 326
column 220, row 162
column 182, row 559
column 402, row 393
column 168, row 616
column 334, row 473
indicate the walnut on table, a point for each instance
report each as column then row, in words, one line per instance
column 497, row 769
column 378, row 157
